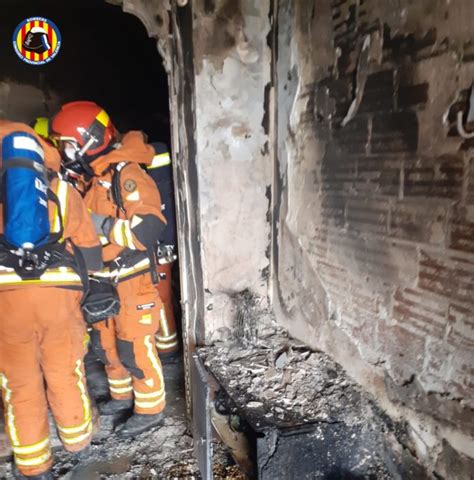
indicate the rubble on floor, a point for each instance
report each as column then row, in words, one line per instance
column 283, row 383
column 163, row 453
column 277, row 385
column 150, row 455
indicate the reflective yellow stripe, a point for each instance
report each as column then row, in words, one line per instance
column 117, row 233
column 13, row 434
column 85, row 341
column 79, row 438
column 12, row 278
column 78, row 429
column 123, row 272
column 62, row 194
column 152, row 356
column 149, row 404
column 31, row 462
column 84, row 397
column 103, row 118
column 4, row 270
column 122, row 234
column 160, row 160
column 36, row 447
column 158, row 393
column 63, row 200
column 103, row 240
column 129, row 236
column 165, row 346
column 126, row 381
column 164, row 322
column 121, row 389
column 166, row 339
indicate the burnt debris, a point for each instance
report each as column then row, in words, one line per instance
column 308, row 418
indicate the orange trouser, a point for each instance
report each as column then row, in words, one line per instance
column 167, row 338
column 125, row 344
column 43, row 340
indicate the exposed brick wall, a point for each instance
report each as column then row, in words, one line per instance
column 391, row 239
column 390, row 190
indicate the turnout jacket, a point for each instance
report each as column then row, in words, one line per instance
column 126, row 232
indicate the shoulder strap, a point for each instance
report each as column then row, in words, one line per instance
column 81, row 269
column 56, row 236
column 116, row 186
column 117, row 197
column 25, row 163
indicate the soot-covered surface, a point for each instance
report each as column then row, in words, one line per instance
column 310, row 418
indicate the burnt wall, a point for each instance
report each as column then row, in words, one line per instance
column 233, row 167
column 374, row 204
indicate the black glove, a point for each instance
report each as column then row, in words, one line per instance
column 107, row 225
column 103, row 225
column 101, row 302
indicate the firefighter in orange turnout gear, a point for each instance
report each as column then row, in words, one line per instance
column 43, row 337
column 126, row 206
column 161, row 172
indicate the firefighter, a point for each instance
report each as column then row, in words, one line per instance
column 43, row 338
column 161, row 172
column 41, row 127
column 126, row 206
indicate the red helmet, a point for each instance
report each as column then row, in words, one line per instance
column 82, row 131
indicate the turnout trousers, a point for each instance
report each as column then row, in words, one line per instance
column 43, row 341
column 167, row 337
column 125, row 344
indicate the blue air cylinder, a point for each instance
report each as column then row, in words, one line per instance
column 25, row 192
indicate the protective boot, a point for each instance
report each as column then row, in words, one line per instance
column 139, row 423
column 84, row 456
column 95, row 418
column 48, row 475
column 169, row 358
column 115, row 406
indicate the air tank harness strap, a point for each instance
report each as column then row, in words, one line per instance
column 127, row 259
column 118, row 200
column 81, row 269
column 28, row 164
column 55, row 237
column 46, row 256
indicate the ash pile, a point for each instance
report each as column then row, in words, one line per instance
column 280, row 382
column 309, row 418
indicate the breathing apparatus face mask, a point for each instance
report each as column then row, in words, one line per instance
column 69, row 153
column 75, row 163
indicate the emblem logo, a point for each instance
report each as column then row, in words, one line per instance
column 37, row 40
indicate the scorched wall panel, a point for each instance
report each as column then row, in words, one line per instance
column 375, row 199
